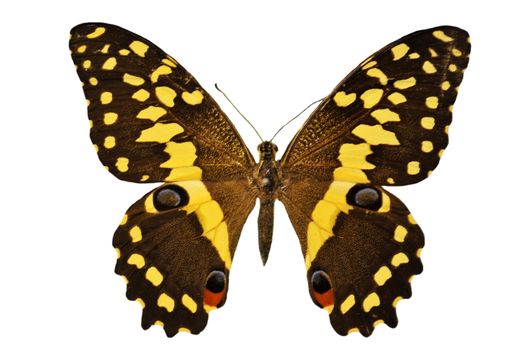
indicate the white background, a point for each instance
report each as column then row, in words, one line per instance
column 60, row 207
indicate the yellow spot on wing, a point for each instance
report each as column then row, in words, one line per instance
column 123, row 52
column 369, row 65
column 385, row 115
column 166, row 302
column 456, row 52
column 181, row 155
column 189, row 303
column 441, row 36
column 81, row 49
column 106, row 97
column 139, row 48
column 110, row 118
column 105, row 49
column 399, row 51
column 382, row 275
column 132, row 79
column 411, row 219
column 400, row 233
column 122, row 164
column 378, row 322
column 152, row 113
column 397, row 98
column 194, row 98
column 398, row 259
column 169, row 61
column 166, row 95
column 377, row 73
column 375, row 135
column 124, row 220
column 396, row 300
column 427, row 146
column 137, row 260
column 93, row 81
column 159, row 323
column 370, row 301
column 160, row 133
column 371, row 97
column 162, row 70
column 86, row 64
column 109, row 142
column 445, row 85
column 433, row 52
column 413, row 168
column 96, row 33
column 141, row 95
column 118, row 253
column 432, row 102
column 110, row 63
column 414, row 55
column 429, row 68
column 184, row 330
column 154, row 276
column 452, row 67
column 141, row 302
column 353, row 330
column 405, row 83
column 341, row 99
column 347, row 304
column 136, row 234
column 428, row 123
column 210, row 215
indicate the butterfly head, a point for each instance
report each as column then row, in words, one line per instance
column 267, row 150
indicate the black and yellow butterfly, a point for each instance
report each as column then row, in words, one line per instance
column 386, row 123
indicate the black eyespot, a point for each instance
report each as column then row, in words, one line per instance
column 170, row 197
column 366, row 197
column 216, row 281
column 321, row 282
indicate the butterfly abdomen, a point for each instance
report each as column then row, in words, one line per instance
column 267, row 177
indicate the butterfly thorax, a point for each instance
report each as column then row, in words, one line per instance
column 267, row 178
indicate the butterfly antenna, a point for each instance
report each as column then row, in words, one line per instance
column 297, row 116
column 237, row 109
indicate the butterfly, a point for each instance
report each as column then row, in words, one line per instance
column 385, row 124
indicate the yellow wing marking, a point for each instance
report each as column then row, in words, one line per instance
column 193, row 98
column 139, row 48
column 166, row 302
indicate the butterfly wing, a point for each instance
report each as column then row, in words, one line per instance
column 394, row 109
column 385, row 124
column 152, row 122
column 150, row 119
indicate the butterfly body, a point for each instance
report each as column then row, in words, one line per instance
column 385, row 124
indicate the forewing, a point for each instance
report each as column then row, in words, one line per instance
column 150, row 119
column 386, row 123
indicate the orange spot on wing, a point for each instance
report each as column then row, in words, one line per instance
column 325, row 299
column 213, row 299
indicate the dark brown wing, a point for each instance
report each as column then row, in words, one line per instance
column 391, row 113
column 384, row 124
column 151, row 121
